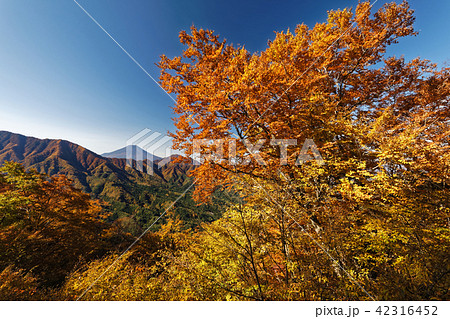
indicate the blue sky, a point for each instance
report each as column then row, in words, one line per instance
column 61, row 76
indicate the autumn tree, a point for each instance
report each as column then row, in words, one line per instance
column 241, row 257
column 47, row 226
column 377, row 206
column 138, row 274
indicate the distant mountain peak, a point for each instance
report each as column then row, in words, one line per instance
column 122, row 153
column 89, row 170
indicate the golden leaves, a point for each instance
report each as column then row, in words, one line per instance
column 380, row 123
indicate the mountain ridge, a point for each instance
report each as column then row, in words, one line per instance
column 42, row 153
column 122, row 153
column 127, row 191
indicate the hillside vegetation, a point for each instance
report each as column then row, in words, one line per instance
column 370, row 221
column 134, row 198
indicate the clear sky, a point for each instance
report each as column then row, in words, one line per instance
column 61, row 76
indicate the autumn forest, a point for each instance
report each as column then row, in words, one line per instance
column 265, row 220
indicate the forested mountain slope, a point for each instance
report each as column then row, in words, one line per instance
column 134, row 197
